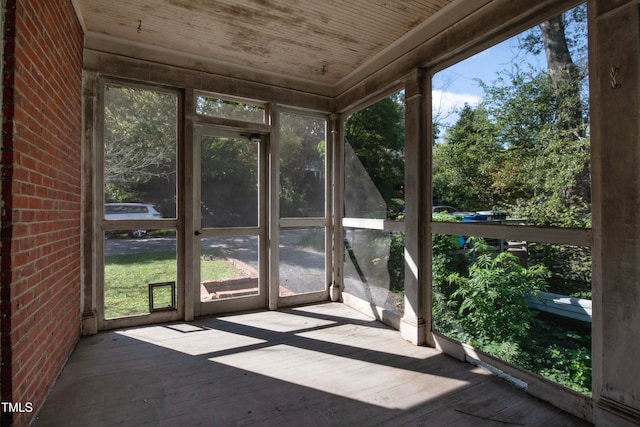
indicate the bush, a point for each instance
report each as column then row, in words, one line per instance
column 479, row 298
column 490, row 299
column 559, row 349
column 570, row 266
column 395, row 263
column 552, row 212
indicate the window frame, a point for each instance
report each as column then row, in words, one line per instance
column 101, row 225
column 581, row 237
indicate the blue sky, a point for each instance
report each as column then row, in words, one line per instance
column 455, row 85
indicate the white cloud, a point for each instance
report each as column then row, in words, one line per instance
column 445, row 103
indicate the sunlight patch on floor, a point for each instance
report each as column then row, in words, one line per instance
column 303, row 367
column 277, row 321
column 194, row 342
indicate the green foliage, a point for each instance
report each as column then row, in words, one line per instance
column 570, row 266
column 395, row 263
column 395, row 209
column 559, row 350
column 218, row 107
column 465, row 162
column 479, row 298
column 229, row 160
column 525, row 150
column 521, row 104
column 229, row 181
column 527, row 140
column 140, row 131
column 552, row 212
column 501, row 151
column 570, row 367
column 302, row 164
column 447, row 259
column 376, row 135
column 126, row 279
column 491, row 297
column 575, row 35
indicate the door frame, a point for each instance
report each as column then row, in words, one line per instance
column 188, row 304
column 277, row 223
column 196, row 232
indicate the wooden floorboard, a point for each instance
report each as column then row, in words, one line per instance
column 321, row 365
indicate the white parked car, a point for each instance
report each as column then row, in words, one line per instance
column 119, row 211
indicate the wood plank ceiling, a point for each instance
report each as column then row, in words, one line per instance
column 312, row 40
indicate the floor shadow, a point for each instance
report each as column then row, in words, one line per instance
column 300, row 366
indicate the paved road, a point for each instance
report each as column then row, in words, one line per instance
column 301, row 267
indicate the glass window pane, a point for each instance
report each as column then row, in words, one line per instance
column 229, row 182
column 131, row 265
column 302, row 261
column 374, row 267
column 219, row 107
column 362, row 199
column 512, row 132
column 374, row 160
column 140, row 134
column 302, row 166
column 528, row 304
column 228, row 267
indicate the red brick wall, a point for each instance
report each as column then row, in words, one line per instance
column 41, row 195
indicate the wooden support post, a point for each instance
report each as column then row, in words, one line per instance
column 274, row 207
column 413, row 326
column 614, row 74
column 189, row 207
column 88, row 253
column 336, row 178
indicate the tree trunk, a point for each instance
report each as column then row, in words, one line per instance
column 564, row 74
column 565, row 77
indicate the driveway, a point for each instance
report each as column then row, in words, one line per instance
column 302, row 267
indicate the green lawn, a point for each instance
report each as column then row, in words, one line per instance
column 126, row 280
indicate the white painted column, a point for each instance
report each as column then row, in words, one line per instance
column 273, row 166
column 337, row 182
